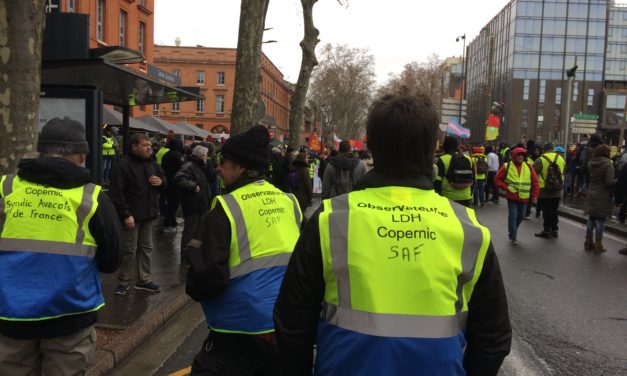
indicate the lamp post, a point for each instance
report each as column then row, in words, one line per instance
column 462, row 82
column 570, row 73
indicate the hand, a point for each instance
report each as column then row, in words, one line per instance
column 155, row 181
column 197, row 189
column 130, row 222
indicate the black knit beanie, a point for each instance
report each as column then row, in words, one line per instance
column 63, row 135
column 249, row 149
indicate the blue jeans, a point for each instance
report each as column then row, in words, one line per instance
column 479, row 192
column 596, row 224
column 107, row 162
column 516, row 212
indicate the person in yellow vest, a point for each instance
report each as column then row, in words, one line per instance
column 480, row 166
column 392, row 278
column 57, row 232
column 237, row 260
column 455, row 173
column 108, row 155
column 551, row 189
column 519, row 181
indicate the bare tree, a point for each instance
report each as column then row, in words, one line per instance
column 308, row 62
column 21, row 34
column 248, row 64
column 422, row 78
column 343, row 83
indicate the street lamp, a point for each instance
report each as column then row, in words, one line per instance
column 570, row 73
column 462, row 83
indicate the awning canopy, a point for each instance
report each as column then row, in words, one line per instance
column 164, row 125
column 199, row 132
column 113, row 117
column 121, row 86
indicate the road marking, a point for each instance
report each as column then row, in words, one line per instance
column 182, row 372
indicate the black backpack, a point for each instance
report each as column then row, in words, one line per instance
column 482, row 165
column 459, row 173
column 553, row 181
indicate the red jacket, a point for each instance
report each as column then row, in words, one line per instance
column 499, row 179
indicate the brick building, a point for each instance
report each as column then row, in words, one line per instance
column 212, row 70
column 123, row 23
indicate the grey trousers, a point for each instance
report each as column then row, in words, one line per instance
column 61, row 356
column 137, row 251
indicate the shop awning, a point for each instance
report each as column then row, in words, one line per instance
column 162, row 124
column 121, row 86
column 113, row 117
column 199, row 132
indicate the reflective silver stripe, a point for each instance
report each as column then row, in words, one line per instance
column 259, row 263
column 7, row 189
column 7, row 185
column 83, row 210
column 240, row 227
column 338, row 239
column 463, row 171
column 473, row 238
column 394, row 325
column 296, row 208
column 47, row 246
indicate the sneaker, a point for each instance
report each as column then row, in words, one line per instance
column 169, row 230
column 482, row 204
column 148, row 286
column 513, row 242
column 554, row 234
column 526, row 218
column 623, row 251
column 121, row 289
column 538, row 214
column 543, row 234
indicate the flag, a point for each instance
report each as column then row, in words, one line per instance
column 336, row 138
column 492, row 130
column 454, row 128
column 314, row 143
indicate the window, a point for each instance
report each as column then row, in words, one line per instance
column 622, row 65
column 220, row 78
column 625, row 32
column 176, row 73
column 200, row 78
column 100, row 8
column 542, row 91
column 122, row 40
column 558, row 95
column 220, row 104
column 71, row 6
column 623, row 49
column 575, row 91
column 200, row 105
column 526, row 90
column 590, row 97
column 175, row 106
column 142, row 36
column 155, row 109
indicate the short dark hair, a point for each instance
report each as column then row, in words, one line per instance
column 136, row 138
column 345, row 146
column 401, row 131
column 602, row 151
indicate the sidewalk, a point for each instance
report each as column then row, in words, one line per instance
column 127, row 320
column 573, row 208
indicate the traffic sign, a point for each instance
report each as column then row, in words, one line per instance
column 578, row 130
column 586, row 116
column 452, row 107
column 454, row 101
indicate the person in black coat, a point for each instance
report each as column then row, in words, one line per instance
column 171, row 163
column 193, row 182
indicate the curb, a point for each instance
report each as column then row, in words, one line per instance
column 111, row 355
column 577, row 215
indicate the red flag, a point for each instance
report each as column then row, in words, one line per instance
column 314, row 143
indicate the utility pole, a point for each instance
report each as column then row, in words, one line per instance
column 463, row 80
column 570, row 73
column 488, row 91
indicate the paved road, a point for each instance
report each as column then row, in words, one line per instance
column 568, row 308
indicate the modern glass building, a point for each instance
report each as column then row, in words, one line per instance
column 521, row 55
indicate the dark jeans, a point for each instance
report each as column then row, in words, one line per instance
column 172, row 205
column 596, row 224
column 528, row 209
column 236, row 355
column 491, row 187
column 549, row 213
column 191, row 222
column 515, row 214
column 479, row 192
column 107, row 163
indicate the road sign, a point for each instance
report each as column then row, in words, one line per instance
column 586, row 116
column 577, row 130
column 586, row 122
column 452, row 107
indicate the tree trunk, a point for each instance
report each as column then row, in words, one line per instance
column 309, row 61
column 21, row 35
column 248, row 65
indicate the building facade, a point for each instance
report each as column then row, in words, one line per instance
column 123, row 23
column 212, row 70
column 520, row 58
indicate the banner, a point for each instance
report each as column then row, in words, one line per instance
column 456, row 129
column 492, row 131
column 314, row 143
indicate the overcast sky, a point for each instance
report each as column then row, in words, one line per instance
column 396, row 32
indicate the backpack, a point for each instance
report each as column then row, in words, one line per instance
column 459, row 173
column 344, row 181
column 553, row 181
column 293, row 180
column 482, row 165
